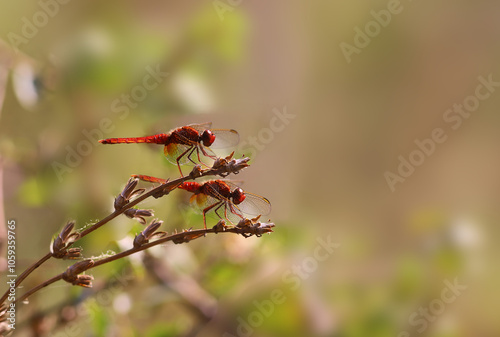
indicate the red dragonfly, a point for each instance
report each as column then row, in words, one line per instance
column 217, row 194
column 181, row 143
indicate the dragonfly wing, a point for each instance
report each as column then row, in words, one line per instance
column 254, row 205
column 225, row 138
column 202, row 201
column 172, row 151
column 201, row 127
column 233, row 183
column 228, row 210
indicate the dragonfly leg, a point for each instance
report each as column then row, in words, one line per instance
column 180, row 157
column 198, row 154
column 205, row 153
column 232, row 210
column 195, row 148
column 235, row 210
column 208, row 209
column 225, row 207
column 191, row 153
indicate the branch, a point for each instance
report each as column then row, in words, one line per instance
column 246, row 227
column 61, row 249
column 222, row 167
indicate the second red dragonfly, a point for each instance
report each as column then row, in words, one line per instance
column 221, row 194
column 181, row 143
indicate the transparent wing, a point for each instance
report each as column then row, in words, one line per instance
column 225, row 138
column 202, row 201
column 233, row 183
column 228, row 210
column 254, row 205
column 172, row 151
column 201, row 127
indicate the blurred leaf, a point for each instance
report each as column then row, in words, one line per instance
column 221, row 277
column 225, row 39
column 163, row 330
column 287, row 319
column 449, row 261
column 376, row 324
column 408, row 280
column 100, row 321
column 428, row 220
column 33, row 192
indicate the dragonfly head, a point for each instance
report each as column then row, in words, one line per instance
column 207, row 137
column 238, row 196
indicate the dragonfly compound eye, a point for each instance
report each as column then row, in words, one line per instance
column 238, row 196
column 207, row 137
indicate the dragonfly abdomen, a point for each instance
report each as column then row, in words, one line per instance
column 190, row 186
column 162, row 138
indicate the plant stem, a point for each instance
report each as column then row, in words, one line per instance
column 92, row 228
column 25, row 274
column 181, row 237
column 38, row 287
column 163, row 189
column 169, row 185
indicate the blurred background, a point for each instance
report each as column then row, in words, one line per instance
column 327, row 96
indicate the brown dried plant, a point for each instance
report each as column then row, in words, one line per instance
column 124, row 203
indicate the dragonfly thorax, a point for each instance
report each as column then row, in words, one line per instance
column 207, row 137
column 238, row 196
